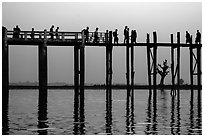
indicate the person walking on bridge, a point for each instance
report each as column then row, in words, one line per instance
column 96, row 36
column 115, row 35
column 198, row 37
column 86, row 33
column 56, row 33
column 51, row 32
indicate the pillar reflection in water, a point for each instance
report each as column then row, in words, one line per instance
column 79, row 117
column 175, row 113
column 130, row 124
column 108, row 110
column 151, row 127
column 5, row 119
column 195, row 120
column 149, row 113
column 42, row 111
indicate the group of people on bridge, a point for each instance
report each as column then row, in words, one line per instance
column 107, row 37
column 189, row 38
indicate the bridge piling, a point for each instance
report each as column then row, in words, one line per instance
column 172, row 63
column 5, row 81
column 178, row 59
column 149, row 62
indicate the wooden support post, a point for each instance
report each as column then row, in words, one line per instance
column 191, row 66
column 172, row 62
column 178, row 59
column 132, row 74
column 128, row 71
column 5, row 68
column 155, row 60
column 5, row 82
column 82, row 74
column 42, row 102
column 199, row 66
column 42, row 51
column 109, row 84
column 148, row 63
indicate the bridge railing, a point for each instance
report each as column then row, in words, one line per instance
column 60, row 36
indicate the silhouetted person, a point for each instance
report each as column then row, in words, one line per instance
column 32, row 35
column 96, row 36
column 188, row 37
column 51, row 32
column 115, row 35
column 133, row 37
column 86, row 33
column 16, row 32
column 106, row 36
column 127, row 36
column 125, row 33
column 56, row 33
column 198, row 37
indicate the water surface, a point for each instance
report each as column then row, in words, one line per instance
column 165, row 115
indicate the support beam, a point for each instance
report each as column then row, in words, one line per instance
column 199, row 66
column 148, row 62
column 82, row 77
column 132, row 74
column 178, row 59
column 5, row 68
column 172, row 62
column 191, row 66
column 155, row 60
column 42, row 54
column 128, row 71
column 5, row 81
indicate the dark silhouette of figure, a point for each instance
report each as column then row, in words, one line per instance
column 56, row 33
column 96, row 36
column 51, row 32
column 86, row 33
column 106, row 36
column 125, row 34
column 133, row 36
column 188, row 38
column 198, row 37
column 16, row 32
column 163, row 72
column 115, row 35
column 32, row 35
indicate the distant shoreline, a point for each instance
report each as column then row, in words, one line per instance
column 104, row 87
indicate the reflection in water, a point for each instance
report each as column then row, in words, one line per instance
column 108, row 111
column 199, row 113
column 172, row 123
column 130, row 124
column 42, row 112
column 151, row 127
column 79, row 118
column 178, row 113
column 195, row 121
column 149, row 113
column 5, row 120
column 175, row 113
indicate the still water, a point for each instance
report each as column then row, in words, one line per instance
column 180, row 114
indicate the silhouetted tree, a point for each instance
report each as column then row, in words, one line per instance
column 163, row 71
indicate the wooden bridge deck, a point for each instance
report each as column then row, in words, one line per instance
column 49, row 42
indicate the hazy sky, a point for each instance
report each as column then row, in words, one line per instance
column 165, row 18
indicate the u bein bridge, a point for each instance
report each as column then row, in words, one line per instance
column 77, row 39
